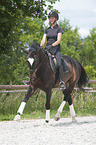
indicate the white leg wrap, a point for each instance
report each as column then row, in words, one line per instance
column 72, row 112
column 21, row 108
column 61, row 106
column 47, row 115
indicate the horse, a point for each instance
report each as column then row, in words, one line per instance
column 43, row 77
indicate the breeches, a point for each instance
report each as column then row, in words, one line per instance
column 58, row 57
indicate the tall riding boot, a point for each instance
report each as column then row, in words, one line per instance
column 61, row 76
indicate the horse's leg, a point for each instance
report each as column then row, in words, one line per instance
column 57, row 116
column 22, row 106
column 71, row 107
column 48, row 97
column 68, row 99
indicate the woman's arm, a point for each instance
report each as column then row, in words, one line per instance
column 43, row 40
column 58, row 39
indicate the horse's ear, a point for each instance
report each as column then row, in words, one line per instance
column 24, row 50
column 38, row 46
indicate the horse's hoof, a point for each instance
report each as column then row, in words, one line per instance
column 17, row 117
column 56, row 118
column 47, row 121
column 74, row 120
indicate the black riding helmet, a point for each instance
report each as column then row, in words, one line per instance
column 53, row 14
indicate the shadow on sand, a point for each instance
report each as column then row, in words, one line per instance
column 72, row 123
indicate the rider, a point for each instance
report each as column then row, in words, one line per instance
column 53, row 35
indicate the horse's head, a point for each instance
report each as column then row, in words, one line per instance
column 34, row 50
column 33, row 56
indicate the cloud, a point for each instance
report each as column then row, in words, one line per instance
column 84, row 32
column 80, row 13
column 94, row 10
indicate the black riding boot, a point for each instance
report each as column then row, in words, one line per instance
column 61, row 76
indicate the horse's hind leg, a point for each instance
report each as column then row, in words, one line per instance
column 22, row 106
column 60, row 109
column 71, row 107
column 67, row 98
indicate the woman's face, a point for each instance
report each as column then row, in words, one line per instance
column 52, row 19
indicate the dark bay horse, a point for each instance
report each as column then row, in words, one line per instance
column 43, row 77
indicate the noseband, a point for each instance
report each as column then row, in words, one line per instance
column 36, row 59
column 37, row 63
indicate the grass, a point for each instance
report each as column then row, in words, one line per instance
column 41, row 115
column 84, row 104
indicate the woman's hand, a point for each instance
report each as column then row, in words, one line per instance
column 49, row 47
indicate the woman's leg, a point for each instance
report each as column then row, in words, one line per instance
column 61, row 73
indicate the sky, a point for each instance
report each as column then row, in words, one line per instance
column 80, row 13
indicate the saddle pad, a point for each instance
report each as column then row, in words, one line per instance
column 52, row 64
column 65, row 65
column 54, row 67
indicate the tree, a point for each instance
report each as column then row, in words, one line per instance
column 13, row 68
column 88, row 53
column 32, row 30
column 71, row 41
column 20, row 22
column 12, row 11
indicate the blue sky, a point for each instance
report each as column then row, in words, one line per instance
column 80, row 13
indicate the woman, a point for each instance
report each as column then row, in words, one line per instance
column 53, row 35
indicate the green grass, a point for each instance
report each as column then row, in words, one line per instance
column 84, row 104
column 41, row 115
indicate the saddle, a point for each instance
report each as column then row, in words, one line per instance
column 53, row 63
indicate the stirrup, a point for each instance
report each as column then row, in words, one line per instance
column 62, row 85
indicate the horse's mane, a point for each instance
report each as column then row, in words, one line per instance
column 35, row 44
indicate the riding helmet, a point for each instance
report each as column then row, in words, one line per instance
column 53, row 14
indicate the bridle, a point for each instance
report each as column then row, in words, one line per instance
column 37, row 66
column 34, row 70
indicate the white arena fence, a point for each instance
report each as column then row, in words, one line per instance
column 23, row 88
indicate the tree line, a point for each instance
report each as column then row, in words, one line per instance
column 24, row 21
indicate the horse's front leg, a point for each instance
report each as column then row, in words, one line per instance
column 22, row 106
column 48, row 97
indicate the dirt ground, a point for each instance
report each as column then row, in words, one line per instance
column 37, row 132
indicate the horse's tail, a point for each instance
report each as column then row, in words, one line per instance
column 83, row 80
